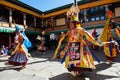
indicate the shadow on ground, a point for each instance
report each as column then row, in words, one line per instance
column 67, row 76
column 17, row 68
column 83, row 76
column 38, row 54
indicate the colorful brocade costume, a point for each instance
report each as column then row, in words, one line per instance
column 77, row 53
column 20, row 54
column 110, row 37
column 42, row 47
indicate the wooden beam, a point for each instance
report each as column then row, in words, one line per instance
column 97, row 3
column 56, row 13
column 84, row 6
column 22, row 9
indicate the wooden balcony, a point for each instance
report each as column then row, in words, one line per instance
column 93, row 24
column 4, row 27
column 86, row 24
column 116, row 19
column 5, row 24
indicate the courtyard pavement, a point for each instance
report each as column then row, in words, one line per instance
column 42, row 67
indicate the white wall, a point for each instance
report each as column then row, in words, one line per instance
column 100, row 30
column 117, row 11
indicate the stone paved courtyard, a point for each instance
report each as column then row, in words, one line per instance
column 42, row 67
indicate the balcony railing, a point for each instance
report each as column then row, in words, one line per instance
column 117, row 19
column 5, row 24
column 84, row 25
column 94, row 23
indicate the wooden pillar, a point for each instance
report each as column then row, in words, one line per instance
column 85, row 15
column 42, row 25
column 10, row 25
column 10, row 17
column 35, row 23
column 10, row 40
column 52, row 23
column 24, row 20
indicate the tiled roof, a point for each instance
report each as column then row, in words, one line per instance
column 17, row 2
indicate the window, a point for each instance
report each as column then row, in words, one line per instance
column 97, row 18
column 81, row 20
column 101, row 7
column 60, row 21
column 89, row 19
column 102, row 17
column 92, row 9
column 92, row 19
column 81, row 11
column 97, row 8
column 117, row 11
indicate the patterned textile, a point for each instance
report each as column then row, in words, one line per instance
column 73, row 57
column 110, row 33
column 19, row 55
column 114, row 50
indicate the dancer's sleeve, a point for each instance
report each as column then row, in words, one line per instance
column 90, row 38
column 118, row 32
column 58, row 47
column 104, row 35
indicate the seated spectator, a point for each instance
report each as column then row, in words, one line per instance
column 3, row 51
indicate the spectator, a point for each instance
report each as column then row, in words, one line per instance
column 3, row 50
